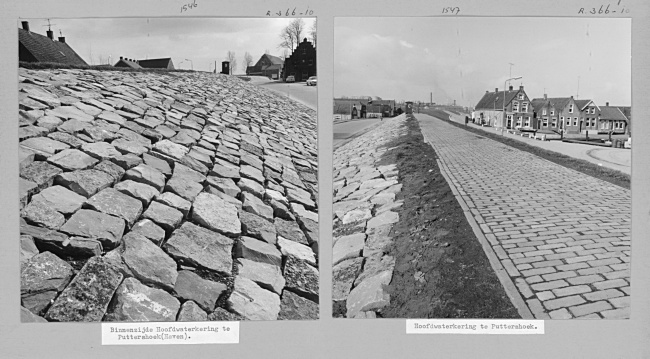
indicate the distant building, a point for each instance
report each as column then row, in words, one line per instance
column 268, row 65
column 124, row 62
column 164, row 63
column 518, row 109
column 302, row 62
column 33, row 47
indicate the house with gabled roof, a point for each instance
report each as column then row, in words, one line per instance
column 268, row 65
column 33, row 47
column 589, row 117
column 162, row 63
column 518, row 109
column 131, row 63
column 555, row 114
column 612, row 119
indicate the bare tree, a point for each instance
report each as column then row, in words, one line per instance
column 285, row 54
column 233, row 62
column 312, row 32
column 248, row 59
column 292, row 33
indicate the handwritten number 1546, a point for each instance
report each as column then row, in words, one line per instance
column 189, row 6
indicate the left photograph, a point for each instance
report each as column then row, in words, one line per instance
column 168, row 169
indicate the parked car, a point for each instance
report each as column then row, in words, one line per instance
column 311, row 81
column 290, row 79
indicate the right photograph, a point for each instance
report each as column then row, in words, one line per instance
column 482, row 168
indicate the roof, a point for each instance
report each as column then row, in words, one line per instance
column 383, row 102
column 538, row 103
column 127, row 63
column 627, row 111
column 584, row 103
column 274, row 59
column 559, row 102
column 272, row 67
column 43, row 49
column 494, row 100
column 611, row 113
column 164, row 63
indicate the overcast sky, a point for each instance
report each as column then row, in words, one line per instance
column 202, row 40
column 460, row 58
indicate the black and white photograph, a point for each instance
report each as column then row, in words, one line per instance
column 168, row 169
column 481, row 167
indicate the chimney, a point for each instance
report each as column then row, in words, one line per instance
column 120, row 57
column 25, row 25
column 545, row 97
column 496, row 89
column 62, row 39
column 607, row 104
column 50, row 35
column 510, row 88
column 521, row 87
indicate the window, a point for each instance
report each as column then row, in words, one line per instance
column 575, row 121
column 524, row 107
column 571, row 108
column 515, row 106
column 521, row 96
column 527, row 124
column 554, row 123
column 552, row 112
column 593, row 122
column 544, row 122
column 568, row 121
column 519, row 121
column 593, row 110
column 544, row 111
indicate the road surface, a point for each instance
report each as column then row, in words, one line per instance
column 558, row 239
column 298, row 91
column 619, row 159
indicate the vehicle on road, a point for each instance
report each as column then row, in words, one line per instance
column 311, row 81
column 290, row 78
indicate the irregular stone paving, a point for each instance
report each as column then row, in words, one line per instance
column 364, row 212
column 563, row 237
column 165, row 196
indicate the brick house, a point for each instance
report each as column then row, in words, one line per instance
column 518, row 109
column 612, row 118
column 268, row 65
column 589, row 117
column 33, row 47
column 302, row 62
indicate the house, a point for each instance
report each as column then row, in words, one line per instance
column 612, row 119
column 268, row 65
column 385, row 107
column 163, row 63
column 589, row 117
column 556, row 114
column 33, row 47
column 124, row 62
column 302, row 62
column 518, row 109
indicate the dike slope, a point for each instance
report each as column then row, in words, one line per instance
column 174, row 196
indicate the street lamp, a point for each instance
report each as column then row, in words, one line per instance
column 503, row 114
column 191, row 63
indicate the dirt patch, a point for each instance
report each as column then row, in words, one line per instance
column 441, row 270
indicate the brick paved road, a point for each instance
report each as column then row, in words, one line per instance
column 563, row 237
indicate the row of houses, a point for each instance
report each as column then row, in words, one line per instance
column 565, row 115
column 364, row 107
column 301, row 64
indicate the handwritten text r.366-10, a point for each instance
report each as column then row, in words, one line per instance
column 291, row 12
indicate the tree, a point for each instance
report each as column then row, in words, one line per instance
column 312, row 32
column 291, row 34
column 248, row 59
column 233, row 62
